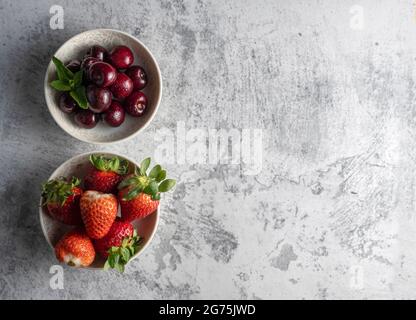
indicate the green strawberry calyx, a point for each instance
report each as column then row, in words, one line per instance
column 114, row 164
column 119, row 256
column 58, row 190
column 152, row 183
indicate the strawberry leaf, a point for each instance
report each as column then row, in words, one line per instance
column 156, row 197
column 118, row 257
column 75, row 181
column 107, row 265
column 113, row 164
column 115, row 259
column 127, row 182
column 123, row 167
column 98, row 162
column 113, row 249
column 125, row 254
column 144, row 165
column 132, row 250
column 133, row 193
column 58, row 190
column 161, row 175
column 155, row 171
column 151, row 184
column 152, row 188
column 166, row 185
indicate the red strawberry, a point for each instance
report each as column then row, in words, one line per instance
column 138, row 207
column 106, row 173
column 75, row 249
column 62, row 200
column 98, row 212
column 118, row 245
column 118, row 231
column 139, row 193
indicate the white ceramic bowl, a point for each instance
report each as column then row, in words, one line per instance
column 75, row 48
column 78, row 166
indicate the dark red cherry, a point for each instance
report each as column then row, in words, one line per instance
column 122, row 87
column 136, row 104
column 86, row 119
column 98, row 52
column 66, row 103
column 121, row 57
column 98, row 98
column 138, row 76
column 74, row 65
column 115, row 114
column 88, row 62
column 102, row 74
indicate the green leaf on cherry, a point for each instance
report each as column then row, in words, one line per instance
column 80, row 97
column 68, row 81
column 78, row 79
column 61, row 85
column 63, row 72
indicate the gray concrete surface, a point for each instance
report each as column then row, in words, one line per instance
column 331, row 215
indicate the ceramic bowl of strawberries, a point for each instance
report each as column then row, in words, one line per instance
column 103, row 86
column 101, row 210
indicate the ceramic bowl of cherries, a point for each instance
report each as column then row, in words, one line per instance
column 109, row 86
column 101, row 86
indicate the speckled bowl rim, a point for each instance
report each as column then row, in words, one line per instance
column 157, row 213
column 159, row 96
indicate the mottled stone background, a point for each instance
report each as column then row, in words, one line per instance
column 332, row 213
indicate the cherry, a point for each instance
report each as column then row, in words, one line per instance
column 88, row 62
column 121, row 57
column 122, row 87
column 74, row 65
column 97, row 52
column 86, row 119
column 67, row 104
column 98, row 98
column 115, row 114
column 136, row 104
column 102, row 74
column 138, row 76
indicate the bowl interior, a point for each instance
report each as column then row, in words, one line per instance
column 78, row 166
column 76, row 48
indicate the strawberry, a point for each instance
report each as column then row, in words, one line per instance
column 98, row 212
column 139, row 193
column 106, row 173
column 138, row 207
column 75, row 249
column 118, row 245
column 62, row 200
